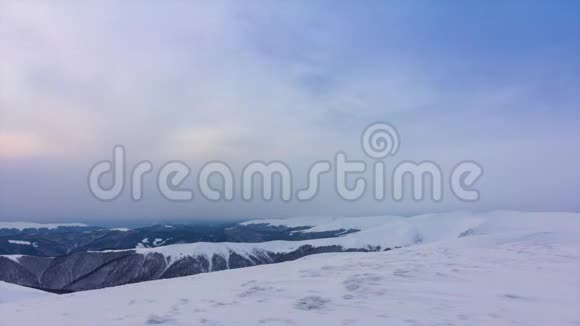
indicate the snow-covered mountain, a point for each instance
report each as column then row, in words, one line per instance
column 381, row 232
column 92, row 270
column 492, row 269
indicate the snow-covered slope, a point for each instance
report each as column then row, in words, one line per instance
column 499, row 277
column 11, row 293
column 386, row 231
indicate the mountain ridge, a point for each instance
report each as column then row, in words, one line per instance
column 97, row 269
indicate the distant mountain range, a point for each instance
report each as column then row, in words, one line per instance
column 66, row 258
column 52, row 240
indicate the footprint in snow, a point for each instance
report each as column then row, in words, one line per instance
column 158, row 320
column 311, row 303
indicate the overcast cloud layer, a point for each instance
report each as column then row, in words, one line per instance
column 293, row 81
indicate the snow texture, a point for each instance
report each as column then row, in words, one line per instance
column 12, row 293
column 20, row 242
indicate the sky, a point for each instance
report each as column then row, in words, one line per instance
column 295, row 81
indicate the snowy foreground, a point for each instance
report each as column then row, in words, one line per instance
column 12, row 293
column 504, row 276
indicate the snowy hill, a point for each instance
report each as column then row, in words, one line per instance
column 11, row 293
column 512, row 276
column 387, row 231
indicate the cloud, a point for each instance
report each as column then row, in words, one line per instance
column 296, row 81
column 23, row 144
